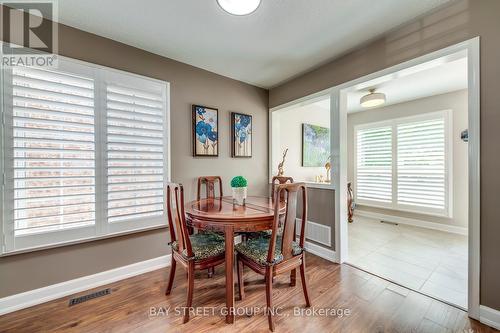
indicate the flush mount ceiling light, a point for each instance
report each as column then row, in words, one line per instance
column 239, row 7
column 372, row 99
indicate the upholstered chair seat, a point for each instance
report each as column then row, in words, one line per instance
column 258, row 248
column 204, row 246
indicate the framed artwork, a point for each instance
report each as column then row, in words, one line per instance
column 205, row 131
column 315, row 145
column 241, row 135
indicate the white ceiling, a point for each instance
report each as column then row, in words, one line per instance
column 436, row 77
column 282, row 39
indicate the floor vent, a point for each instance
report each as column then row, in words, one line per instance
column 84, row 298
column 388, row 222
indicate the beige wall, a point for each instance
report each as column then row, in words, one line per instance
column 461, row 20
column 287, row 131
column 454, row 101
column 189, row 85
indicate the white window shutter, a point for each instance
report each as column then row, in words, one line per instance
column 374, row 165
column 85, row 154
column 421, row 177
column 53, row 150
column 135, row 153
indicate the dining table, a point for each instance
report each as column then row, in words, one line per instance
column 222, row 214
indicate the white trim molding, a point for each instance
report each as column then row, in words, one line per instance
column 413, row 222
column 321, row 251
column 45, row 294
column 489, row 316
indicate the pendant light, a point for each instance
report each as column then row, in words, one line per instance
column 372, row 99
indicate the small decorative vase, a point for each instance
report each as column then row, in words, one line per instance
column 239, row 195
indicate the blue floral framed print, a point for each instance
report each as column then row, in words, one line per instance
column 205, row 131
column 241, row 135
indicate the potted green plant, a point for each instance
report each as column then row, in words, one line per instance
column 239, row 186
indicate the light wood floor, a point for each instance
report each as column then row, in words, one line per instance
column 375, row 305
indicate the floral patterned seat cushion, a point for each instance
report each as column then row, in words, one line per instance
column 204, row 245
column 257, row 249
column 258, row 234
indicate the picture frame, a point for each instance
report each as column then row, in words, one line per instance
column 205, row 131
column 241, row 135
column 315, row 145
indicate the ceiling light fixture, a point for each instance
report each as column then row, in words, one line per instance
column 372, row 99
column 239, row 7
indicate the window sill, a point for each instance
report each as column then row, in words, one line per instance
column 81, row 241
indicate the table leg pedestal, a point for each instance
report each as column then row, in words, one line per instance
column 229, row 238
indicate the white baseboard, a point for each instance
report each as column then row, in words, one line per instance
column 413, row 222
column 55, row 291
column 489, row 316
column 321, row 251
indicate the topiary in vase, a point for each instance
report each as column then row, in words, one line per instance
column 239, row 186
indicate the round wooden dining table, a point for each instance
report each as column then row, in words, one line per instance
column 220, row 214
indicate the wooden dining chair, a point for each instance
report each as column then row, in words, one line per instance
column 277, row 254
column 278, row 180
column 193, row 252
column 209, row 182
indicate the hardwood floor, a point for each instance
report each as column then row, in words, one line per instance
column 375, row 305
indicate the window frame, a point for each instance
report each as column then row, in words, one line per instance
column 447, row 212
column 10, row 244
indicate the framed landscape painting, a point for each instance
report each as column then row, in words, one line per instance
column 205, row 131
column 241, row 135
column 315, row 145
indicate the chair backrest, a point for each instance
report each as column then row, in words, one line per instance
column 278, row 180
column 177, row 218
column 291, row 192
column 209, row 181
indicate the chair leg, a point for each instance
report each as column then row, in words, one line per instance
column 171, row 277
column 189, row 302
column 269, row 297
column 303, row 279
column 240, row 279
column 293, row 277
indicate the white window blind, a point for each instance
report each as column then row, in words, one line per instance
column 134, row 153
column 85, row 153
column 374, row 164
column 421, row 164
column 404, row 164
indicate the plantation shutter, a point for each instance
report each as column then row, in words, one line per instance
column 83, row 153
column 374, row 164
column 52, row 166
column 135, row 123
column 421, row 164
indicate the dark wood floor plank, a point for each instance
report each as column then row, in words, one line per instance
column 373, row 306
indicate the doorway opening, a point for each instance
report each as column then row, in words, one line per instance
column 407, row 162
column 413, row 164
